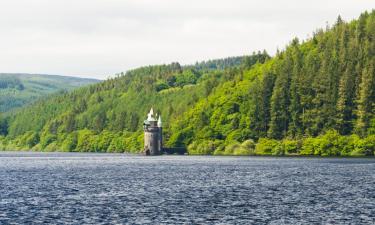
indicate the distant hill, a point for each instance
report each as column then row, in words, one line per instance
column 18, row 89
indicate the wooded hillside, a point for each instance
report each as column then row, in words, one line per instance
column 316, row 97
column 17, row 90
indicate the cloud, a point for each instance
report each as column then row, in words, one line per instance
column 98, row 38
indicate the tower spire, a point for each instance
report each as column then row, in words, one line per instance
column 150, row 115
column 159, row 121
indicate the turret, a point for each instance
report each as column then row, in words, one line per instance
column 153, row 134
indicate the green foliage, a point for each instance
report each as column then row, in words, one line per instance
column 267, row 146
column 85, row 141
column 70, row 142
column 3, row 126
column 316, row 97
column 245, row 148
column 332, row 144
column 365, row 147
column 329, row 144
column 107, row 117
column 308, row 89
column 231, row 148
column 46, row 139
column 162, row 85
column 3, row 143
column 187, row 77
column 309, row 146
column 219, row 64
column 366, row 102
column 290, row 147
column 10, row 82
column 218, row 147
column 17, row 90
column 30, row 139
column 206, row 147
column 117, row 144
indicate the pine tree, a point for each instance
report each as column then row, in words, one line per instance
column 262, row 101
column 307, row 91
column 366, row 101
column 295, row 108
column 280, row 100
column 345, row 103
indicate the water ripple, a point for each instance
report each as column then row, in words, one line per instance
column 66, row 188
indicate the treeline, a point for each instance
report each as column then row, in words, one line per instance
column 329, row 144
column 316, row 97
column 108, row 116
column 325, row 83
column 221, row 64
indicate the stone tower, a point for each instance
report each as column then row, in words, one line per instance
column 153, row 134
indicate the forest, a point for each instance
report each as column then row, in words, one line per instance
column 315, row 97
column 17, row 90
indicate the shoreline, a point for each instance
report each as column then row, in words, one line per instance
column 186, row 155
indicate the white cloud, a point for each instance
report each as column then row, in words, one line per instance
column 97, row 38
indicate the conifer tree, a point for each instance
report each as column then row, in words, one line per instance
column 281, row 99
column 295, row 108
column 345, row 103
column 366, row 101
column 262, row 95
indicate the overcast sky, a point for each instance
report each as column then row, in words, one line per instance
column 98, row 38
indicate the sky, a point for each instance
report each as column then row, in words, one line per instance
column 99, row 38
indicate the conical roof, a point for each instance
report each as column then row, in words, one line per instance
column 159, row 121
column 150, row 115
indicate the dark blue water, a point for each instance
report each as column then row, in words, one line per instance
column 59, row 188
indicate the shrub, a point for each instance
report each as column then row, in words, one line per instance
column 278, row 149
column 85, row 141
column 70, row 142
column 52, row 147
column 266, row 146
column 103, row 141
column 328, row 144
column 206, row 147
column 47, row 139
column 2, row 143
column 231, row 148
column 133, row 143
column 347, row 144
column 290, row 147
column 364, row 147
column 246, row 148
column 117, row 144
column 32, row 139
column 309, row 146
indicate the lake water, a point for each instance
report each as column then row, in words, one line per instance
column 58, row 188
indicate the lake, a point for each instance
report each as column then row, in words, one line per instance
column 79, row 188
